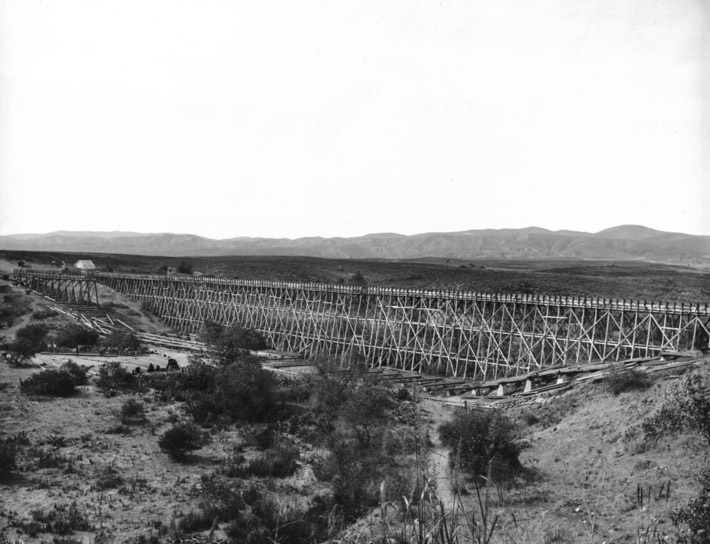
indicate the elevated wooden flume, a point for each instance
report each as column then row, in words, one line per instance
column 472, row 335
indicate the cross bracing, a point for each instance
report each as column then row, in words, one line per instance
column 467, row 334
column 69, row 288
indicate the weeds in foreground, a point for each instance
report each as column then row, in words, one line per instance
column 61, row 519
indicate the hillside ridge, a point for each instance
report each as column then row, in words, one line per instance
column 623, row 242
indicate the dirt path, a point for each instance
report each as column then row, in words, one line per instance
column 438, row 455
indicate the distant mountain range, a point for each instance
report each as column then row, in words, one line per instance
column 627, row 242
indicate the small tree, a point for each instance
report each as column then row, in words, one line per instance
column 28, row 341
column 230, row 342
column 364, row 411
column 74, row 335
column 482, row 443
column 184, row 267
column 121, row 341
column 113, row 377
column 358, row 279
column 181, row 439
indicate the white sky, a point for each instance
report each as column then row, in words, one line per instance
column 339, row 118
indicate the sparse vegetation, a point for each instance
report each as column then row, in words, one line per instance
column 61, row 519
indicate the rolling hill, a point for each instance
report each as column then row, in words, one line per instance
column 627, row 242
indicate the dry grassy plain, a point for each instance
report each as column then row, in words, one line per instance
column 622, row 279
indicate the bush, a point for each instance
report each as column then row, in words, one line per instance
column 132, row 412
column 14, row 305
column 50, row 383
column 181, row 439
column 696, row 516
column 482, row 444
column 108, row 478
column 78, row 373
column 199, row 520
column 43, row 314
column 184, row 385
column 113, row 377
column 8, row 455
column 74, row 335
column 277, row 462
column 230, row 342
column 618, row 381
column 685, row 406
column 121, row 341
column 28, row 341
column 241, row 391
column 62, row 519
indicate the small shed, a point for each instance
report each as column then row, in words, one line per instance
column 85, row 265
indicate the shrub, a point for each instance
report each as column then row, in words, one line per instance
column 132, row 412
column 685, row 406
column 696, row 515
column 74, row 335
column 366, row 407
column 14, row 305
column 199, row 520
column 62, row 519
column 78, row 373
column 482, row 443
column 121, row 341
column 224, row 497
column 618, row 381
column 50, row 383
column 8, row 455
column 43, row 314
column 185, row 267
column 529, row 418
column 181, row 439
column 108, row 478
column 241, row 391
column 113, row 377
column 184, row 385
column 277, row 462
column 28, row 341
column 358, row 279
column 230, row 342
column 45, row 457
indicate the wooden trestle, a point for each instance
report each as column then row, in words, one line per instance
column 465, row 334
column 69, row 288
